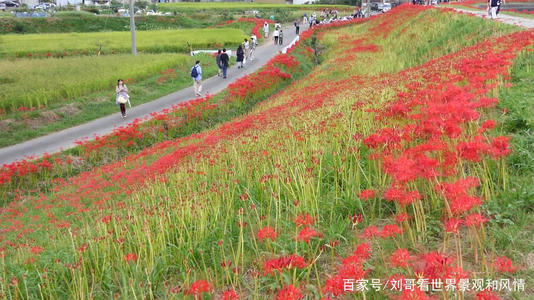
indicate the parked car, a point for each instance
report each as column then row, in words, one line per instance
column 374, row 6
column 386, row 7
column 380, row 6
column 44, row 6
column 3, row 6
column 11, row 3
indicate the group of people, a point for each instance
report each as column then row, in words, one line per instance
column 244, row 53
column 278, row 34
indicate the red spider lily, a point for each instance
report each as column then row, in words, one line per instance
column 266, row 233
column 36, row 250
column 472, row 150
column 355, row 219
column 284, row 262
column 230, row 295
column 413, row 294
column 307, row 233
column 360, row 254
column 452, row 225
column 475, row 220
column 350, row 268
column 401, row 196
column 499, row 147
column 486, row 295
column 106, row 219
column 289, row 292
column 433, row 265
column 198, row 287
column 401, row 258
column 390, row 230
column 401, row 217
column 503, row 264
column 457, row 194
column 370, row 232
column 367, row 194
column 304, row 220
column 488, row 124
column 130, row 257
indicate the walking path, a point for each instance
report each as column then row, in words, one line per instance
column 65, row 139
column 508, row 19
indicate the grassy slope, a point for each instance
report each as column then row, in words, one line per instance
column 513, row 211
column 203, row 226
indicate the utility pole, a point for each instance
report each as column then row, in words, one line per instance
column 132, row 26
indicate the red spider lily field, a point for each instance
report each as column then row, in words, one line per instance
column 380, row 158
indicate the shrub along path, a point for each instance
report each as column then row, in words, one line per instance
column 65, row 139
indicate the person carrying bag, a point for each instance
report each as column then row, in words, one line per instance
column 122, row 97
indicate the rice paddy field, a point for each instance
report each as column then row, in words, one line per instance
column 43, row 82
column 404, row 172
column 155, row 41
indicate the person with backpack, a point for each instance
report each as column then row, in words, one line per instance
column 240, row 56
column 225, row 62
column 122, row 97
column 196, row 74
column 218, row 62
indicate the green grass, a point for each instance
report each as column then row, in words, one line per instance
column 101, row 103
column 513, row 210
column 147, row 41
column 42, row 82
column 239, row 6
column 69, row 21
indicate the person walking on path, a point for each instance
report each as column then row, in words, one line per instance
column 276, row 33
column 280, row 37
column 266, row 29
column 122, row 97
column 492, row 8
column 225, row 62
column 297, row 27
column 253, row 44
column 240, row 56
column 246, row 48
column 218, row 62
column 304, row 20
column 196, row 74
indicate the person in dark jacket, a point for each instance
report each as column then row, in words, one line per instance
column 492, row 8
column 240, row 56
column 218, row 62
column 225, row 62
